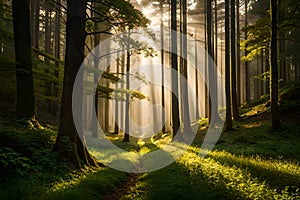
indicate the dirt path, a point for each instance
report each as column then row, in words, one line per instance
column 123, row 189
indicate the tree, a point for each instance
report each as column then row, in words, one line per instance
column 175, row 106
column 161, row 4
column 247, row 77
column 274, row 69
column 184, row 90
column 233, row 62
column 126, row 133
column 228, row 120
column 68, row 143
column 26, row 107
column 238, row 55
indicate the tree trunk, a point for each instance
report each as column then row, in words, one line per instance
column 184, row 90
column 235, row 111
column 26, row 107
column 54, row 106
column 267, row 64
column 228, row 121
column 68, row 143
column 95, row 119
column 274, row 69
column 175, row 106
column 127, row 128
column 36, row 24
column 162, row 65
column 247, row 73
column 116, row 127
column 238, row 53
column 196, row 79
column 210, row 52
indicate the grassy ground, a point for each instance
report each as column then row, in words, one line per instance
column 250, row 162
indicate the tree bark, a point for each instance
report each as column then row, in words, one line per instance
column 26, row 107
column 274, row 69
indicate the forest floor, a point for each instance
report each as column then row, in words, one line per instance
column 250, row 162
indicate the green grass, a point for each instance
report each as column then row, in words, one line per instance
column 251, row 162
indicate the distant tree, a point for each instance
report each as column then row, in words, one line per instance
column 247, row 76
column 161, row 6
column 233, row 61
column 174, row 60
column 184, row 90
column 127, row 100
column 274, row 68
column 26, row 107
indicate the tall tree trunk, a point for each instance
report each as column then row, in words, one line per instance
column 184, row 90
column 274, row 69
column 216, row 32
column 228, row 121
column 95, row 120
column 54, row 106
column 116, row 127
column 210, row 52
column 206, row 101
column 235, row 111
column 32, row 10
column 267, row 65
column 247, row 73
column 36, row 24
column 175, row 106
column 196, row 79
column 26, row 107
column 127, row 128
column 68, row 143
column 162, row 65
column 238, row 53
column 48, row 30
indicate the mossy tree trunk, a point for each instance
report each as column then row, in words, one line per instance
column 26, row 107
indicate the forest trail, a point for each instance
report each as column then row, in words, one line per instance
column 123, row 189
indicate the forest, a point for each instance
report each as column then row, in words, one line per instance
column 137, row 99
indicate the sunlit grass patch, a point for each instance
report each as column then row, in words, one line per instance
column 276, row 172
column 238, row 181
column 92, row 184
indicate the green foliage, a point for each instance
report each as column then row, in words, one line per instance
column 121, row 14
column 11, row 161
column 258, row 38
column 259, row 33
